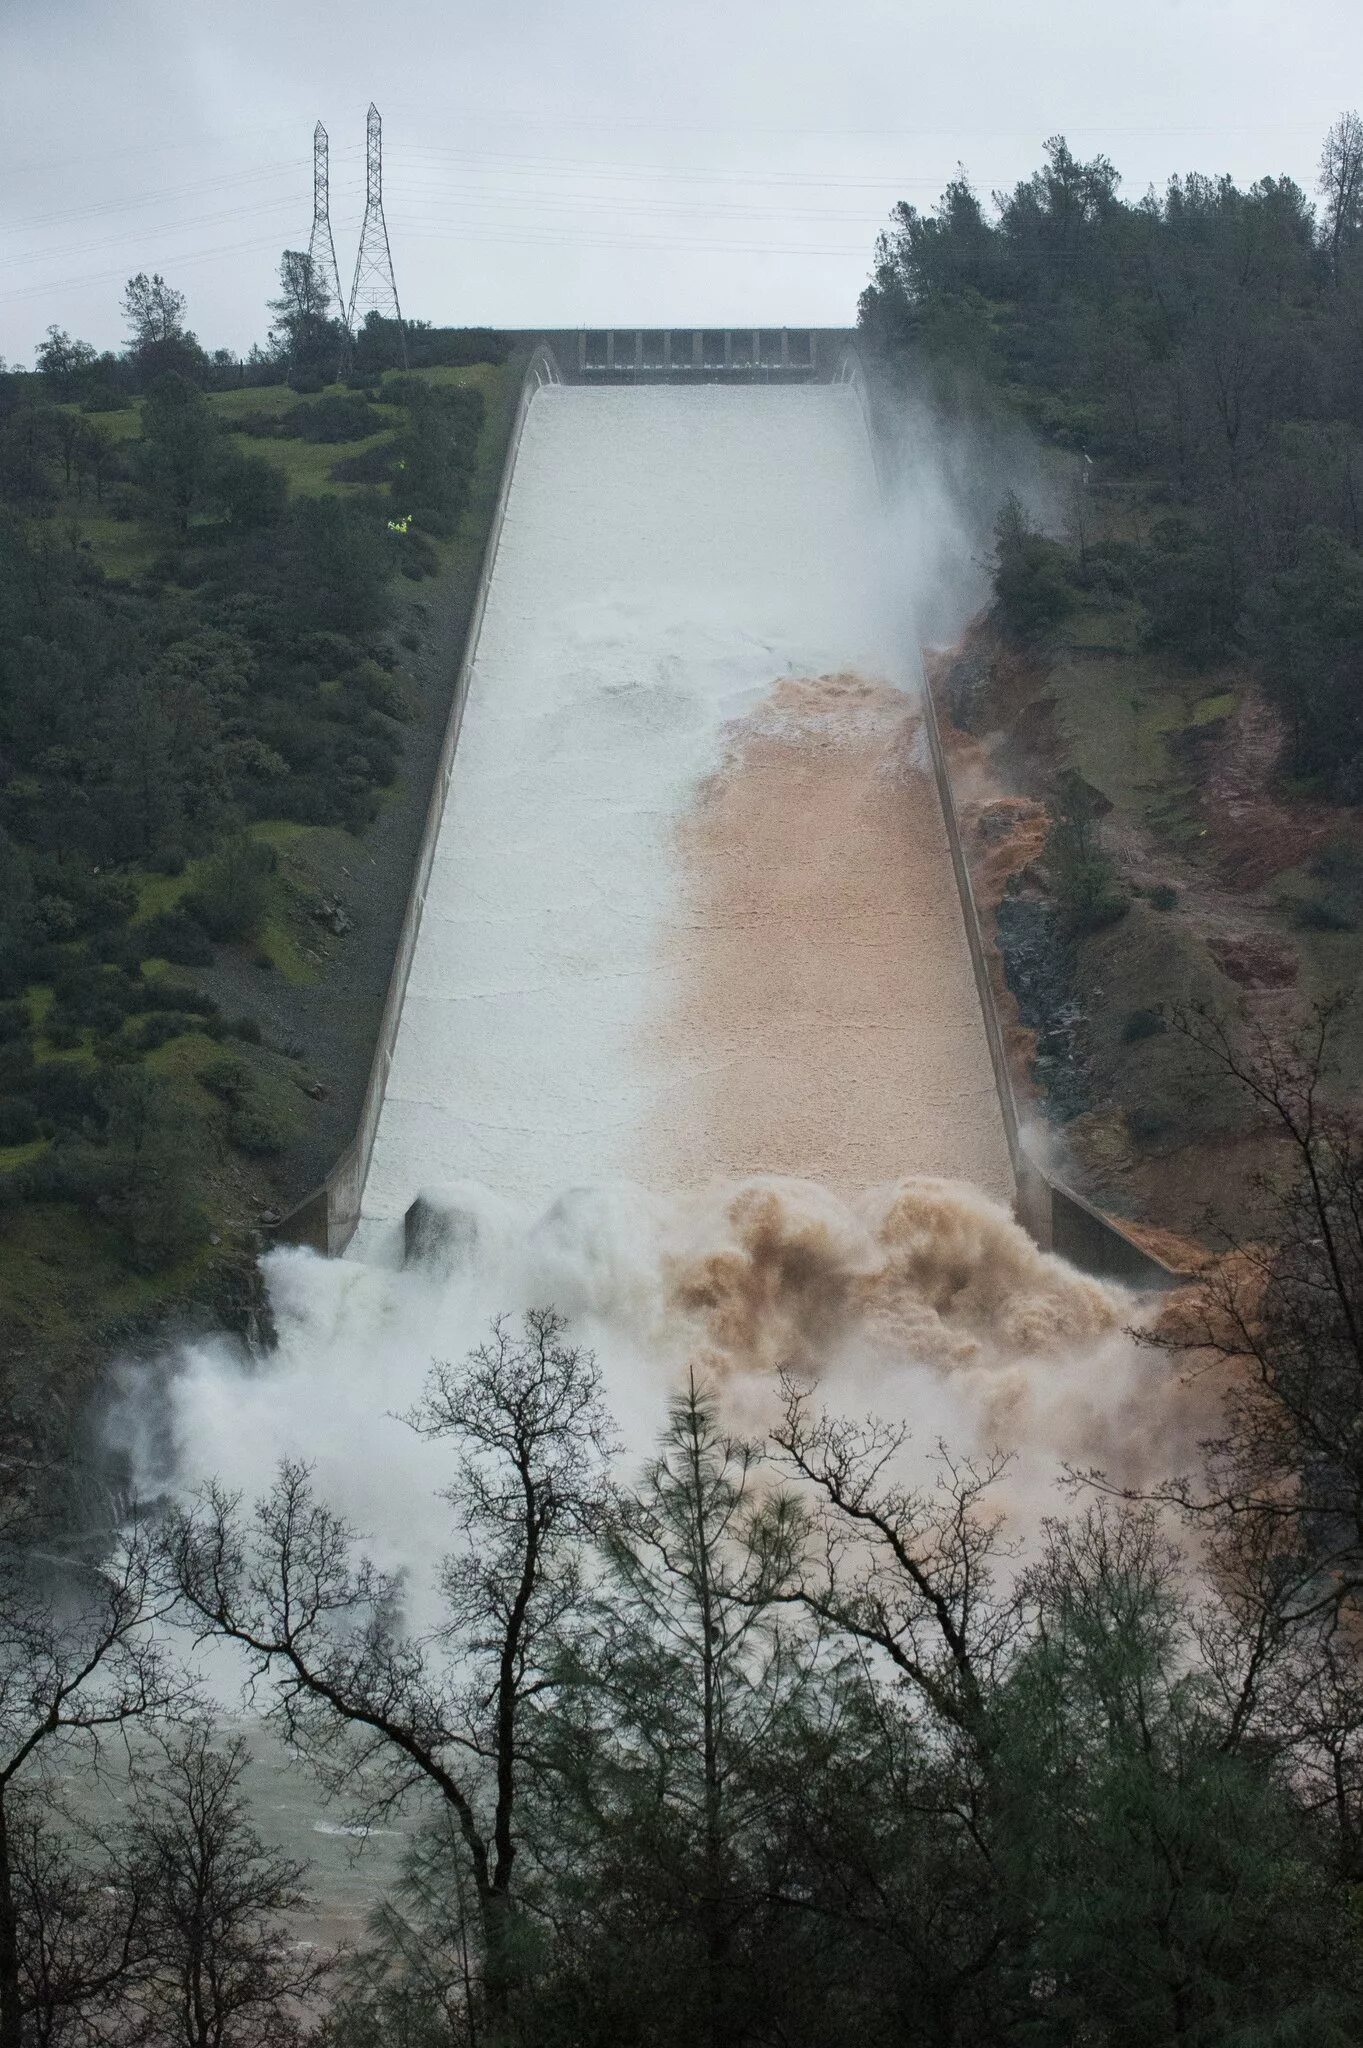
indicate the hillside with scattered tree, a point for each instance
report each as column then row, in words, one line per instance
column 219, row 676
column 1166, row 697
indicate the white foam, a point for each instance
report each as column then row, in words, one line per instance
column 666, row 556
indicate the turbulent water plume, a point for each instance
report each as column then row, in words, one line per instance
column 922, row 1300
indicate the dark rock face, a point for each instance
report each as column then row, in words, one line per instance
column 1038, row 962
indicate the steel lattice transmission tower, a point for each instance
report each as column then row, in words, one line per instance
column 321, row 248
column 374, row 289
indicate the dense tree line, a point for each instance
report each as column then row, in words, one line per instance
column 1205, row 343
column 149, row 721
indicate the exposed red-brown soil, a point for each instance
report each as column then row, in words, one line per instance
column 1231, row 936
column 1252, row 833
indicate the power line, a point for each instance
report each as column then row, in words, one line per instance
column 46, row 220
column 155, row 235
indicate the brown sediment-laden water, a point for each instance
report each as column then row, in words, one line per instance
column 817, row 1011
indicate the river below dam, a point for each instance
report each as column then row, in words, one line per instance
column 691, row 1047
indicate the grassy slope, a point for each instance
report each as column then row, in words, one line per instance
column 65, row 1296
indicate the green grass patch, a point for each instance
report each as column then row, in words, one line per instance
column 20, row 1155
column 489, row 378
column 180, row 1059
column 1121, row 722
column 39, row 1000
column 1118, row 719
column 124, row 548
column 306, row 465
column 274, row 400
column 159, row 893
column 118, row 426
column 285, row 835
column 82, row 1055
column 65, row 1272
column 461, row 556
column 1113, row 631
column 281, row 946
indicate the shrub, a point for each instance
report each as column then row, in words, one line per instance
column 1141, row 1024
column 1081, row 873
column 121, row 948
column 253, row 1130
column 104, row 398
column 16, row 1065
column 437, row 452
column 195, row 1001
column 1163, row 896
column 228, row 1078
column 384, row 692
column 253, row 493
column 1329, row 913
column 71, row 1173
column 18, row 1121
column 417, row 557
column 95, row 998
column 1189, row 589
column 13, row 1021
column 233, row 892
column 163, row 995
column 247, row 1029
column 376, row 465
column 150, row 1157
column 65, row 1095
column 160, row 1028
column 1146, row 1124
column 336, row 564
column 1032, row 593
column 173, row 936
column 339, row 416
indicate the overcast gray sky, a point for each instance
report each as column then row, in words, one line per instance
column 616, row 161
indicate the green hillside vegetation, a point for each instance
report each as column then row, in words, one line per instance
column 1175, row 647
column 202, row 699
column 1201, row 348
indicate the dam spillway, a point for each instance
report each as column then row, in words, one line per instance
column 691, row 915
column 690, row 1007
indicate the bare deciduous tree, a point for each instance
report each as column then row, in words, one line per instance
column 382, row 1708
column 1282, row 1312
column 1341, row 184
column 903, row 1570
column 79, row 1662
column 221, row 1970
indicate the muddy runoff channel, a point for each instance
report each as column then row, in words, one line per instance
column 691, row 1047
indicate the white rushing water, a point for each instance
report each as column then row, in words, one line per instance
column 667, row 557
